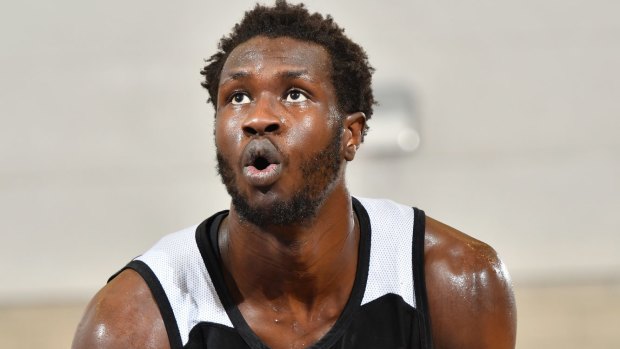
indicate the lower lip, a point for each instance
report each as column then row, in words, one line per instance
column 264, row 177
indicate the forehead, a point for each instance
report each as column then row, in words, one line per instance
column 263, row 55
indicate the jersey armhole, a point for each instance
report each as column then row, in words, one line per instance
column 421, row 300
column 157, row 290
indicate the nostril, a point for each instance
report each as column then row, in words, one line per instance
column 249, row 130
column 272, row 128
column 258, row 127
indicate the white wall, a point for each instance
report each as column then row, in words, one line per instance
column 105, row 143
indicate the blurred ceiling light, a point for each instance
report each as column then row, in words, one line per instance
column 393, row 127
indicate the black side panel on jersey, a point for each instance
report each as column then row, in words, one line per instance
column 419, row 283
column 386, row 322
column 210, row 335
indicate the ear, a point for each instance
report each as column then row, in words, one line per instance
column 353, row 134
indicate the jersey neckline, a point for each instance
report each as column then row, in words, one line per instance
column 206, row 239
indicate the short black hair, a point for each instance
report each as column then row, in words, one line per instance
column 351, row 72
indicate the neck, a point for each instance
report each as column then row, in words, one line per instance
column 293, row 266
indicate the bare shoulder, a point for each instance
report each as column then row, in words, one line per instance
column 470, row 295
column 123, row 314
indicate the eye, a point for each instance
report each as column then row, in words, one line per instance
column 240, row 98
column 295, row 96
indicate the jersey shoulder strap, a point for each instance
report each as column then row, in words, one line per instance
column 397, row 257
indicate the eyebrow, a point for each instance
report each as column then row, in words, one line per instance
column 288, row 75
column 238, row 75
column 296, row 74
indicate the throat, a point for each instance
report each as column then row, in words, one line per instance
column 304, row 265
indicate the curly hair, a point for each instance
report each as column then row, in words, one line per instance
column 351, row 72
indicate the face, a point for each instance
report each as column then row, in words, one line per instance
column 277, row 130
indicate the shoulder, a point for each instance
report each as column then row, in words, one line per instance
column 470, row 295
column 123, row 314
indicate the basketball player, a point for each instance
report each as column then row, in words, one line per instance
column 296, row 261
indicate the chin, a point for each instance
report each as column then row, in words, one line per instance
column 270, row 210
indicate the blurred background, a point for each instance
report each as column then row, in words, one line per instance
column 500, row 118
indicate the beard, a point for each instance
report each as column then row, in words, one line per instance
column 319, row 171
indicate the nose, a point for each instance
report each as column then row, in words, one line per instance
column 262, row 120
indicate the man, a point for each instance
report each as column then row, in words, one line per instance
column 297, row 262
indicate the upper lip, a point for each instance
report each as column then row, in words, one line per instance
column 261, row 148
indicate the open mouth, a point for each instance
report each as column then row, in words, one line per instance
column 261, row 163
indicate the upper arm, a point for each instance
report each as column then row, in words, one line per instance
column 470, row 294
column 122, row 315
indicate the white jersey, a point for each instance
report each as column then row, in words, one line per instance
column 387, row 307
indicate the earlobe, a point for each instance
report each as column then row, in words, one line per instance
column 354, row 134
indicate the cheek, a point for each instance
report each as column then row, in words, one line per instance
column 227, row 133
column 311, row 131
column 300, row 132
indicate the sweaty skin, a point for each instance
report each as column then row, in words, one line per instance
column 469, row 290
column 291, row 282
